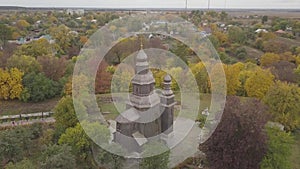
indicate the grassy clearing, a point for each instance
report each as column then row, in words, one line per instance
column 13, row 107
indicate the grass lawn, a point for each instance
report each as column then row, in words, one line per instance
column 13, row 107
column 296, row 151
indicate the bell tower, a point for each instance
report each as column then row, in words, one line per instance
column 167, row 106
column 143, row 84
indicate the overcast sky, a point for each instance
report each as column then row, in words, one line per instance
column 291, row 4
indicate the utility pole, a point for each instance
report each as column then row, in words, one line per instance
column 186, row 4
column 208, row 4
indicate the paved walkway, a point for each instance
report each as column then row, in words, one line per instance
column 25, row 122
column 24, row 119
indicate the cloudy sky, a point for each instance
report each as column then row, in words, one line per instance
column 291, row 4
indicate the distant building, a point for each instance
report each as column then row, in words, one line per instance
column 24, row 40
column 280, row 32
column 261, row 30
column 147, row 113
column 75, row 11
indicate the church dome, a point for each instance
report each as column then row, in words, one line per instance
column 141, row 56
column 167, row 78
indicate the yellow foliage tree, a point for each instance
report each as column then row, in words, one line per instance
column 268, row 58
column 216, row 80
column 10, row 83
column 232, row 77
column 22, row 24
column 283, row 101
column 259, row 82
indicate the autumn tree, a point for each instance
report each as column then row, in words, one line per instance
column 267, row 36
column 36, row 48
column 10, row 83
column 283, row 100
column 53, row 67
column 217, row 79
column 127, row 46
column 62, row 37
column 201, row 76
column 26, row 64
column 275, row 46
column 268, row 59
column 6, row 53
column 232, row 77
column 284, row 71
column 239, row 141
column 103, row 79
column 22, row 24
column 222, row 38
column 177, row 77
column 243, row 77
column 259, row 82
column 121, row 79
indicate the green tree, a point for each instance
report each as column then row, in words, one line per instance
column 26, row 64
column 181, row 50
column 264, row 19
column 24, row 164
column 223, row 15
column 259, row 83
column 283, row 100
column 151, row 160
column 5, row 33
column 39, row 87
column 64, row 114
column 111, row 160
column 237, row 35
column 14, row 144
column 58, row 157
column 77, row 137
column 279, row 150
column 297, row 72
